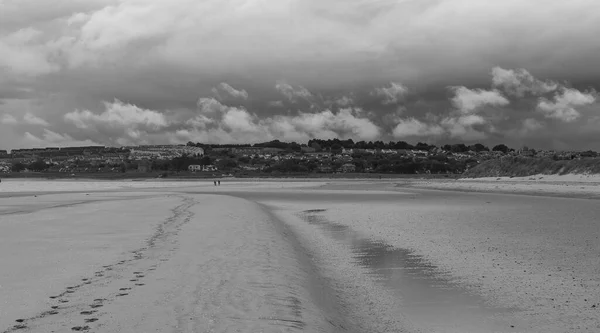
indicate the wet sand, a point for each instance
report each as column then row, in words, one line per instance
column 299, row 256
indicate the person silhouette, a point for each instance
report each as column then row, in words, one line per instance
column 214, row 181
column 219, row 182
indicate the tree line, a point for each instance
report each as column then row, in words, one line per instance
column 337, row 145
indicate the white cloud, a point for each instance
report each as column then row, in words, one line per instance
column 221, row 123
column 413, row 127
column 50, row 138
column 462, row 127
column 223, row 91
column 392, row 94
column 24, row 55
column 293, row 93
column 276, row 104
column 118, row 114
column 34, row 120
column 8, row 119
column 344, row 101
column 469, row 100
column 562, row 106
column 518, row 82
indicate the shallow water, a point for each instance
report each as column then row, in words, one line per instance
column 432, row 299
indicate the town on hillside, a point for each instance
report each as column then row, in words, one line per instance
column 271, row 158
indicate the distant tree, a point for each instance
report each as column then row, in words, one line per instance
column 18, row 167
column 206, row 160
column 402, row 145
column 423, row 146
column 501, row 147
column 459, row 148
column 227, row 163
column 478, row 147
column 315, row 145
column 38, row 165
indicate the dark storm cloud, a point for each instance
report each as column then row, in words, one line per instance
column 392, row 69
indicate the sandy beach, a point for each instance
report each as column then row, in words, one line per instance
column 493, row 255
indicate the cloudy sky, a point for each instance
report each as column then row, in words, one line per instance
column 122, row 72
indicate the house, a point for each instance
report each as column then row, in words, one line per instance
column 209, row 168
column 348, row 167
column 194, row 168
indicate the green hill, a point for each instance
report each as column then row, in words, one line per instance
column 519, row 166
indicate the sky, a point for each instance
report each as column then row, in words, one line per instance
column 128, row 72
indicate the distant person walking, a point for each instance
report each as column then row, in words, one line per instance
column 214, row 181
column 219, row 182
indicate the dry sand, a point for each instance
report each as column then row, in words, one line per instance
column 585, row 186
column 343, row 256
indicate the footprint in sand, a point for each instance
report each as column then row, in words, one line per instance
column 84, row 279
column 53, row 312
column 64, row 300
column 19, row 327
column 94, row 306
column 122, row 294
column 54, row 307
column 20, row 320
column 91, row 320
column 100, row 300
column 140, row 284
column 87, row 313
column 80, row 328
column 133, row 280
column 122, row 289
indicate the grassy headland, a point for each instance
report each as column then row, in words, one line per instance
column 520, row 166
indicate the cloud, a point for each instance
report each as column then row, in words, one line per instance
column 413, row 127
column 118, row 114
column 344, row 101
column 469, row 100
column 217, row 122
column 34, row 120
column 463, row 127
column 224, row 91
column 293, row 94
column 518, row 82
column 276, row 104
column 391, row 94
column 562, row 106
column 50, row 138
column 24, row 55
column 8, row 119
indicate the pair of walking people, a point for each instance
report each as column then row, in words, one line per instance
column 217, row 182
